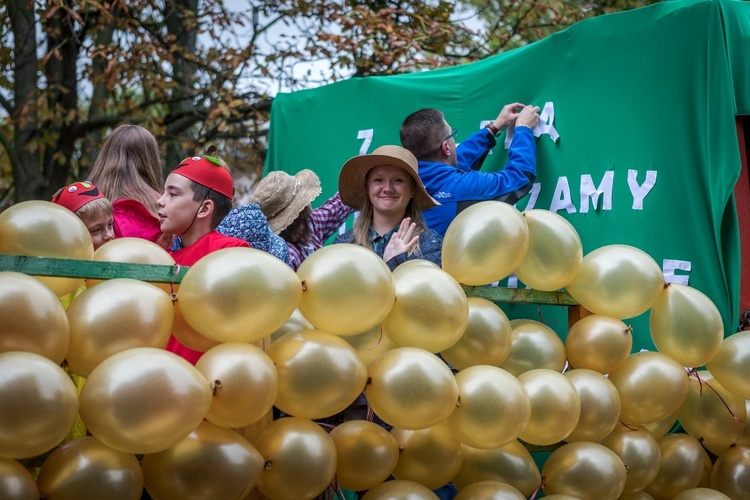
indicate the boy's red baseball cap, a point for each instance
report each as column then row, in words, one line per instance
column 207, row 171
column 77, row 195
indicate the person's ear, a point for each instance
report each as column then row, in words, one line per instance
column 446, row 149
column 206, row 209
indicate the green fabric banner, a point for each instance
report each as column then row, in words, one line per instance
column 644, row 103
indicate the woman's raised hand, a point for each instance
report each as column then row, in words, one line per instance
column 402, row 240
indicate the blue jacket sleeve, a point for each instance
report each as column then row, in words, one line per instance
column 515, row 179
column 472, row 152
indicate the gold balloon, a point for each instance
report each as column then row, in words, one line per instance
column 320, row 374
column 494, row 407
column 485, row 243
column 210, row 463
column 431, row 309
column 32, row 318
column 186, row 334
column 86, row 468
column 731, row 472
column 600, row 405
column 711, row 413
column 554, row 254
column 486, row 340
column 133, row 251
column 400, row 490
column 744, row 439
column 295, row 323
column 16, row 482
column 39, row 404
column 490, row 490
column 366, row 454
column 680, row 467
column 708, row 465
column 430, row 457
column 533, row 345
column 598, row 343
column 686, row 326
column 651, row 387
column 238, row 294
column 588, row 471
column 663, row 426
column 564, row 497
column 44, row 229
column 618, row 281
column 640, row 453
column 702, row 494
column 638, row 495
column 411, row 388
column 245, row 383
column 300, row 459
column 511, row 464
column 371, row 345
column 144, row 400
column 729, row 366
column 555, row 406
column 115, row 315
column 348, row 289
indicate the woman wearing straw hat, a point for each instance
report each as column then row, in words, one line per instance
column 285, row 200
column 385, row 187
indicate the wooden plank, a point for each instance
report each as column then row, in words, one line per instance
column 74, row 268
column 520, row 295
column 575, row 314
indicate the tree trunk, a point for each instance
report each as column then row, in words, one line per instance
column 99, row 101
column 180, row 18
column 62, row 98
column 25, row 161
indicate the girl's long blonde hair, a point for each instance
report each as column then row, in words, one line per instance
column 129, row 166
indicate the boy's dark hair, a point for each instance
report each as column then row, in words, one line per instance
column 222, row 204
column 421, row 133
column 299, row 230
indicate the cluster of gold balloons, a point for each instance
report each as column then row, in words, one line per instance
column 344, row 325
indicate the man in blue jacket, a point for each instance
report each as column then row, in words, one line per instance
column 451, row 173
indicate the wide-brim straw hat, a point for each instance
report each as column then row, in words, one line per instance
column 353, row 176
column 282, row 197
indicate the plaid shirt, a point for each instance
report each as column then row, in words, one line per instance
column 323, row 223
column 379, row 242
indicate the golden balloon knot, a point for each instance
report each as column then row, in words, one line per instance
column 267, row 465
column 172, row 294
column 538, row 488
column 458, row 402
column 304, row 286
column 216, row 387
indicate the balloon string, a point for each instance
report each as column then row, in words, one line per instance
column 694, row 372
column 541, row 319
column 536, row 491
column 380, row 338
column 628, row 426
column 327, row 427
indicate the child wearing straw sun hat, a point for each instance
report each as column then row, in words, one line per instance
column 286, row 202
column 385, row 187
